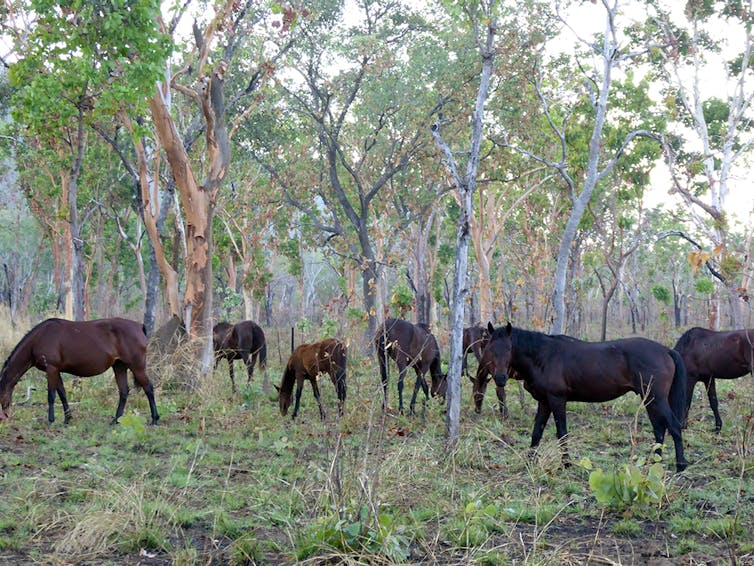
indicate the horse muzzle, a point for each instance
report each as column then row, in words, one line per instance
column 500, row 379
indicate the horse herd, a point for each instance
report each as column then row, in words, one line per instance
column 554, row 369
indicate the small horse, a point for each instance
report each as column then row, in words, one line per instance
column 710, row 355
column 486, row 369
column 558, row 369
column 307, row 362
column 242, row 341
column 83, row 349
column 410, row 345
column 475, row 339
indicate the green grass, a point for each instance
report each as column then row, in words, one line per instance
column 225, row 478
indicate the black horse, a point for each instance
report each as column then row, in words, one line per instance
column 242, row 341
column 710, row 355
column 558, row 369
column 410, row 345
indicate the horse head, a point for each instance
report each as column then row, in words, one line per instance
column 498, row 353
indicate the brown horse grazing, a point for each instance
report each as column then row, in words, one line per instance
column 410, row 345
column 307, row 362
column 475, row 339
column 83, row 349
column 710, row 355
column 487, row 368
column 242, row 341
column 558, row 369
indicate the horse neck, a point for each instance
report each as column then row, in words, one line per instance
column 17, row 364
column 289, row 378
column 526, row 345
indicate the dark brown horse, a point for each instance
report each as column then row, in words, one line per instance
column 475, row 339
column 710, row 355
column 486, row 369
column 242, row 341
column 410, row 345
column 558, row 369
column 83, row 349
column 307, row 362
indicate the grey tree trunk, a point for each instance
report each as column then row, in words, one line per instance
column 465, row 187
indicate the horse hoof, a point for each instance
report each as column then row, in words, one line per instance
column 680, row 466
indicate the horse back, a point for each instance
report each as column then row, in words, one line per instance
column 711, row 354
column 89, row 347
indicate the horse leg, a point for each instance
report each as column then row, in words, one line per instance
column 418, row 383
column 299, row 389
column 540, row 420
column 249, row 360
column 232, row 373
column 558, row 407
column 315, row 390
column 141, row 379
column 64, row 401
column 501, row 401
column 401, row 377
column 340, row 389
column 121, row 380
column 54, row 384
column 709, row 383
column 690, row 384
column 662, row 418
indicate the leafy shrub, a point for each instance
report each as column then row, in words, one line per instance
column 628, row 487
column 352, row 531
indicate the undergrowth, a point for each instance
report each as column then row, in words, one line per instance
column 225, row 478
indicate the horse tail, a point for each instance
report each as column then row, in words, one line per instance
column 677, row 395
column 263, row 355
column 382, row 354
column 341, row 358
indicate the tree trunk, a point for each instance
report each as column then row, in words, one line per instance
column 465, row 187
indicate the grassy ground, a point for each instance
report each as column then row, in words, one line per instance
column 225, row 479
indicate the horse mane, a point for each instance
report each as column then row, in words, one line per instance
column 289, row 377
column 21, row 343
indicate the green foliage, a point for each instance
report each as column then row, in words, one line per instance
column 704, row 286
column 662, row 294
column 131, row 428
column 633, row 486
column 402, row 299
column 355, row 530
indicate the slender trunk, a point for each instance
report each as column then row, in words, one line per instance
column 465, row 187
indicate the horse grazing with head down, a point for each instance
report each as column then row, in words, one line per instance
column 306, row 363
column 410, row 345
column 710, row 355
column 242, row 341
column 557, row 369
column 475, row 339
column 83, row 349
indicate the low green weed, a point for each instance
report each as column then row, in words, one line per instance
column 354, row 530
column 635, row 486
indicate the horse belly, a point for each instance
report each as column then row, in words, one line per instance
column 598, row 390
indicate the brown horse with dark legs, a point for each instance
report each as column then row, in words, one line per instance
column 83, row 349
column 487, row 368
column 558, row 369
column 410, row 345
column 475, row 339
column 307, row 362
column 242, row 341
column 710, row 355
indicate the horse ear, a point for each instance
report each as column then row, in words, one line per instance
column 276, row 387
column 490, row 328
column 508, row 328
